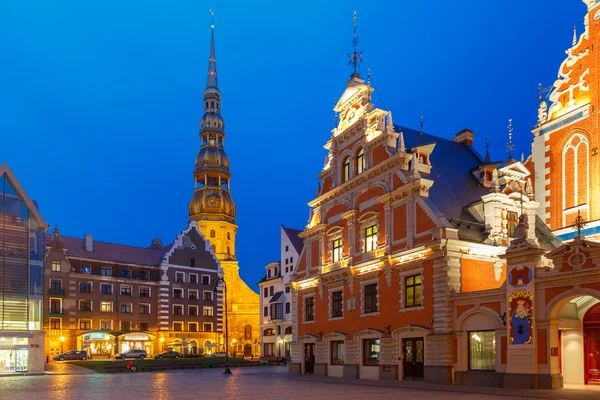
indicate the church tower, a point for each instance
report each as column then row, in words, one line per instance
column 213, row 209
column 212, row 206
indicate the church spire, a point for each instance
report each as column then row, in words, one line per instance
column 212, row 81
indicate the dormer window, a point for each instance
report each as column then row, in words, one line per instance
column 423, row 158
column 346, row 170
column 488, row 175
column 512, row 219
column 360, row 161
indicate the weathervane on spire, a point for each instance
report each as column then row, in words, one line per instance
column 356, row 56
column 510, row 148
column 212, row 20
column 579, row 223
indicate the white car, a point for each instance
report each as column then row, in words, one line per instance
column 220, row 354
column 139, row 354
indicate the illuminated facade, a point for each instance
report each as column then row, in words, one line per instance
column 21, row 284
column 212, row 207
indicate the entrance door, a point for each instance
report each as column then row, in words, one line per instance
column 591, row 340
column 414, row 358
column 309, row 358
column 247, row 350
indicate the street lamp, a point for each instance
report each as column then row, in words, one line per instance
column 219, row 281
column 233, row 342
column 62, row 340
column 279, row 346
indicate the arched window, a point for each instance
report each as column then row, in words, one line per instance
column 228, row 235
column 213, row 233
column 575, row 180
column 288, row 330
column 269, row 332
column 346, row 169
column 360, row 161
column 248, row 332
column 228, row 250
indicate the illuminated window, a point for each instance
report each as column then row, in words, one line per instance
column 207, row 311
column 338, row 249
column 371, row 238
column 360, row 161
column 512, row 223
column 85, row 324
column 56, row 266
column 482, row 350
column 55, row 323
column 337, row 352
column 371, row 352
column 346, row 169
column 269, row 332
column 412, row 291
column 106, row 306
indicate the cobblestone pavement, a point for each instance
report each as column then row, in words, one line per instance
column 64, row 367
column 245, row 383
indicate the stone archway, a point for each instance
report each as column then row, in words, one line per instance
column 247, row 350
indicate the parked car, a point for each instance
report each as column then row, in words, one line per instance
column 72, row 355
column 168, row 354
column 139, row 354
column 220, row 354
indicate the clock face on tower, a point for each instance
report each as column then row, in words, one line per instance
column 213, row 202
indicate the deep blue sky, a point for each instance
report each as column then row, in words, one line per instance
column 100, row 101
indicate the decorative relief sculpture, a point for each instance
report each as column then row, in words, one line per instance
column 520, row 308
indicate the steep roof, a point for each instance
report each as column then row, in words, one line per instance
column 292, row 234
column 454, row 186
column 112, row 252
column 16, row 185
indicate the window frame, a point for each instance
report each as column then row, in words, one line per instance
column 195, row 311
column 374, row 303
column 53, row 266
column 105, row 268
column 82, row 301
column 195, row 296
column 337, row 303
column 469, row 350
column 305, row 314
column 84, row 320
column 106, row 303
column 346, row 169
column 149, row 292
column 126, row 287
column 204, row 292
column 333, row 360
column 360, row 161
column 370, row 362
column 337, row 249
column 106, row 285
column 176, row 324
column 140, row 305
column 194, row 324
column 178, row 307
column 122, row 305
column 204, row 324
column 371, row 239
column 210, row 313
column 417, row 302
column 53, row 320
column 195, row 276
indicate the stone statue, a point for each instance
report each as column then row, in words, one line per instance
column 522, row 227
column 542, row 112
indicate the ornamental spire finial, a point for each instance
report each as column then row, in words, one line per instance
column 487, row 151
column 510, row 147
column 212, row 81
column 356, row 55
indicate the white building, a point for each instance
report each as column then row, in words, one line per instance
column 275, row 298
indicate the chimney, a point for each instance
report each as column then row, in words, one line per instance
column 89, row 243
column 465, row 136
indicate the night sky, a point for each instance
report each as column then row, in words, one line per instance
column 100, row 101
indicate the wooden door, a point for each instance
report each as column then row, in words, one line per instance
column 414, row 358
column 309, row 358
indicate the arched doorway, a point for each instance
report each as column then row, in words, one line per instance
column 207, row 347
column 192, row 347
column 247, row 350
column 591, row 334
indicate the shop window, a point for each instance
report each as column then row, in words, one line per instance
column 105, row 289
column 371, row 352
column 106, row 306
column 207, row 326
column 337, row 305
column 337, row 352
column 371, row 298
column 412, row 291
column 371, row 238
column 512, row 223
column 482, row 351
column 125, row 325
column 309, row 308
column 125, row 290
column 144, row 291
column 85, row 324
column 360, row 161
column 106, row 271
column 56, row 266
column 144, row 308
column 338, row 249
column 55, row 323
column 207, row 311
column 85, row 287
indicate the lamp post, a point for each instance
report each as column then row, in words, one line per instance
column 279, row 347
column 62, row 341
column 219, row 281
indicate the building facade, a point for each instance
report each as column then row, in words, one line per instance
column 212, row 207
column 108, row 298
column 424, row 260
column 275, row 298
column 22, row 278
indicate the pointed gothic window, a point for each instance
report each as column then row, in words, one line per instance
column 360, row 161
column 346, row 169
column 575, row 178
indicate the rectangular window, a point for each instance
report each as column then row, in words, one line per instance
column 55, row 306
column 125, row 325
column 106, row 271
column 179, row 277
column 192, row 294
column 144, row 326
column 338, row 249
column 291, row 260
column 125, row 307
column 271, row 291
column 265, row 311
column 266, row 292
column 178, row 309
column 125, row 273
column 337, row 352
column 85, row 305
column 105, row 325
column 287, row 308
column 206, row 279
column 55, row 323
column 178, row 293
column 277, row 311
column 56, row 284
column 208, row 296
column 144, row 308
column 144, row 291
column 106, row 306
column 85, row 324
column 412, row 288
column 371, row 352
column 85, row 269
column 125, row 290
column 287, row 248
column 105, row 289
column 145, row 275
column 193, row 326
column 207, row 327
column 371, row 238
column 337, row 307
column 287, row 270
column 85, row 287
column 513, row 219
column 194, row 278
column 208, row 311
column 371, row 298
column 56, row 266
column 482, row 351
column 269, row 349
column 269, row 273
column 287, row 289
column 309, row 306
column 193, row 310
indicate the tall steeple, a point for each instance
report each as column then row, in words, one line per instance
column 212, row 206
